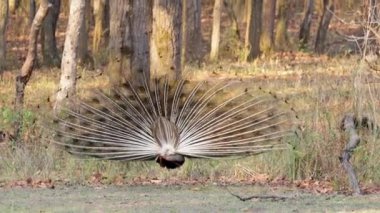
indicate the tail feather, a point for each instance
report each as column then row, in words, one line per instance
column 167, row 120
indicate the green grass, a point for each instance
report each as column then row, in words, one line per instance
column 321, row 90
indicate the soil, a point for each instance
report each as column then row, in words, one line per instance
column 195, row 198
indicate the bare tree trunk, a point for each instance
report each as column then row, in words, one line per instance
column 120, row 44
column 324, row 26
column 70, row 55
column 252, row 39
column 215, row 36
column 165, row 55
column 192, row 34
column 32, row 11
column 130, row 32
column 281, row 36
column 238, row 6
column 27, row 68
column 49, row 44
column 269, row 13
column 3, row 27
column 306, row 23
column 141, row 27
column 84, row 57
column 101, row 32
column 231, row 13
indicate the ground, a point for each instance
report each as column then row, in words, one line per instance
column 322, row 90
column 194, row 198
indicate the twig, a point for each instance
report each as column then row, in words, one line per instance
column 261, row 197
column 349, row 125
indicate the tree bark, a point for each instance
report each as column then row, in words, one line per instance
column 269, row 13
column 70, row 55
column 231, row 13
column 120, row 44
column 84, row 57
column 101, row 16
column 165, row 55
column 130, row 32
column 215, row 36
column 306, row 23
column 239, row 8
column 192, row 34
column 32, row 11
column 27, row 68
column 281, row 36
column 3, row 27
column 141, row 27
column 49, row 44
column 253, row 33
column 324, row 26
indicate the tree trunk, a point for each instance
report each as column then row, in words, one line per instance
column 215, row 36
column 252, row 38
column 13, row 5
column 166, row 38
column 231, row 13
column 130, row 30
column 192, row 34
column 84, row 57
column 70, row 55
column 141, row 27
column 3, row 27
column 49, row 44
column 101, row 16
column 120, row 45
column 238, row 7
column 281, row 36
column 269, row 13
column 324, row 26
column 27, row 68
column 306, row 23
column 32, row 11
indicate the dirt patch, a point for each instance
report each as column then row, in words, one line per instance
column 198, row 198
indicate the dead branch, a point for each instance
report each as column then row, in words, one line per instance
column 349, row 124
column 29, row 63
column 260, row 197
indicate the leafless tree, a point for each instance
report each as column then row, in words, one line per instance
column 192, row 33
column 27, row 68
column 70, row 54
column 252, row 38
column 324, row 25
column 304, row 33
column 3, row 27
column 49, row 44
column 215, row 36
column 166, row 41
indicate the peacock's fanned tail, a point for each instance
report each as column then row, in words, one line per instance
column 168, row 120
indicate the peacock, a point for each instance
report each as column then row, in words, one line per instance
column 170, row 120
